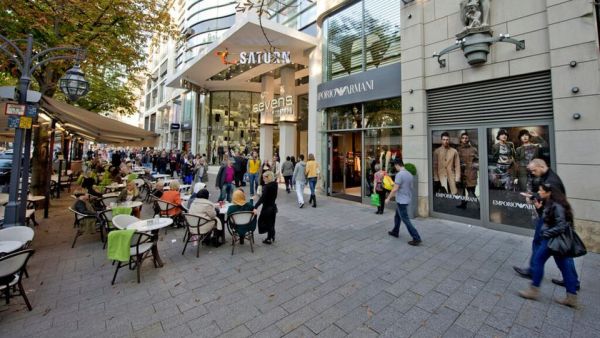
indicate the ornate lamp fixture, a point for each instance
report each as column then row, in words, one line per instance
column 476, row 37
column 73, row 84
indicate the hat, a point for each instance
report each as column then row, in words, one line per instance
column 239, row 198
column 501, row 132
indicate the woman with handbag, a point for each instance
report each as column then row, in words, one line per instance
column 378, row 187
column 266, row 220
column 557, row 215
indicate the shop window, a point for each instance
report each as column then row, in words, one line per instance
column 382, row 146
column 383, row 113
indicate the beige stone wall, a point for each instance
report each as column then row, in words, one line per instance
column 556, row 32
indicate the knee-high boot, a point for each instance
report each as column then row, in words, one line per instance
column 314, row 199
column 311, row 199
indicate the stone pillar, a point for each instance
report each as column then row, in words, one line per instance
column 288, row 115
column 266, row 117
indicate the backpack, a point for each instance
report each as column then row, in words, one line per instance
column 388, row 183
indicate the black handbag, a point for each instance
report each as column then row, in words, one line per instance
column 567, row 244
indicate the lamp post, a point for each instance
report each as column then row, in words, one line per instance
column 27, row 62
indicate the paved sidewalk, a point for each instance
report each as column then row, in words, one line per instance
column 333, row 272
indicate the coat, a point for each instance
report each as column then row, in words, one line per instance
column 266, row 220
column 469, row 164
column 205, row 209
column 446, row 168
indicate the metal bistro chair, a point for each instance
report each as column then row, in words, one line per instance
column 165, row 207
column 241, row 224
column 140, row 249
column 106, row 201
column 21, row 234
column 79, row 217
column 199, row 227
column 12, row 267
column 106, row 220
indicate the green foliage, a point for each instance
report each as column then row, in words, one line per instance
column 411, row 168
column 113, row 33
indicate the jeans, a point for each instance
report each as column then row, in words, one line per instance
column 226, row 192
column 537, row 269
column 288, row 182
column 402, row 216
column 312, row 183
column 300, row 191
column 254, row 180
column 537, row 242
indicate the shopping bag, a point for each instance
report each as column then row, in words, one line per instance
column 375, row 201
column 388, row 183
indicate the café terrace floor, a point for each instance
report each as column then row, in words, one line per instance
column 333, row 272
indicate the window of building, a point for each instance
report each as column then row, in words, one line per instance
column 153, row 122
column 362, row 36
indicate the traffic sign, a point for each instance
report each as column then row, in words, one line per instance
column 26, row 122
column 13, row 121
column 14, row 109
column 32, row 110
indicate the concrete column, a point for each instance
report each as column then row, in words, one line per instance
column 288, row 115
column 266, row 117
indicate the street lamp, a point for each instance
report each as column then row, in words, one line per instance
column 27, row 62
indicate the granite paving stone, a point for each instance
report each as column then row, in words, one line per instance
column 333, row 272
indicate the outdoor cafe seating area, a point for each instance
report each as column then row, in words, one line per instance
column 127, row 230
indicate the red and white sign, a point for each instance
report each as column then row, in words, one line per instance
column 14, row 109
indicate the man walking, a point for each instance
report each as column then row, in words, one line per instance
column 287, row 170
column 403, row 190
column 544, row 175
column 299, row 179
column 253, row 171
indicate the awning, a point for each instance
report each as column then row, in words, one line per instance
column 95, row 127
column 246, row 35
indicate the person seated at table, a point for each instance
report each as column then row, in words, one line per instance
column 131, row 193
column 83, row 206
column 239, row 203
column 204, row 208
column 88, row 183
column 173, row 196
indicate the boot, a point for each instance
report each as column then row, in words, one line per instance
column 570, row 300
column 314, row 199
column 311, row 199
column 531, row 293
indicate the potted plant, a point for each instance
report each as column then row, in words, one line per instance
column 414, row 203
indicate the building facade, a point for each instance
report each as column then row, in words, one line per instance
column 355, row 83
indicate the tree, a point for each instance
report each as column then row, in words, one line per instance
column 114, row 34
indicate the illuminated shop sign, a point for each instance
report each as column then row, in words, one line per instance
column 280, row 106
column 255, row 58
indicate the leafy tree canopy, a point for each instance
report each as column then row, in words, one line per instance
column 114, row 34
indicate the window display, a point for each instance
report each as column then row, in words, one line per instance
column 455, row 172
column 509, row 152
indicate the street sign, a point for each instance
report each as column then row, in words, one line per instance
column 13, row 121
column 26, row 122
column 32, row 110
column 14, row 109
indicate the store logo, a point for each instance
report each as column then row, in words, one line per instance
column 254, row 58
column 350, row 89
column 280, row 106
column 223, row 55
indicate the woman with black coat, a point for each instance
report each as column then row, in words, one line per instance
column 557, row 215
column 266, row 220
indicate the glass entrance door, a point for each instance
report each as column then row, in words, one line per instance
column 345, row 165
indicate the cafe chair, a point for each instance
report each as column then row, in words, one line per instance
column 12, row 267
column 107, row 226
column 21, row 234
column 140, row 249
column 122, row 221
column 106, row 201
column 198, row 227
column 241, row 224
column 166, row 208
column 79, row 219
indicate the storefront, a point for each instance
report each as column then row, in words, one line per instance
column 480, row 148
column 363, row 127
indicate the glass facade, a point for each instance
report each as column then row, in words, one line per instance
column 360, row 37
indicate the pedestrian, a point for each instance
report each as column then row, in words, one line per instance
column 299, row 180
column 378, row 187
column 265, row 167
column 238, row 166
column 253, row 171
column 403, row 190
column 276, row 168
column 287, row 170
column 293, row 159
column 266, row 220
column 201, row 171
column 543, row 175
column 557, row 216
column 224, row 181
column 312, row 174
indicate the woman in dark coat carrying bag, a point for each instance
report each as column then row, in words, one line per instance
column 266, row 220
column 558, row 218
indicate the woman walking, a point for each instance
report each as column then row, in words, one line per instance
column 287, row 170
column 266, row 220
column 378, row 187
column 312, row 174
column 557, row 215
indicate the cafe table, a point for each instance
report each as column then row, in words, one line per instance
column 153, row 226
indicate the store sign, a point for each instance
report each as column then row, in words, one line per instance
column 282, row 106
column 175, row 126
column 381, row 83
column 14, row 109
column 255, row 58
